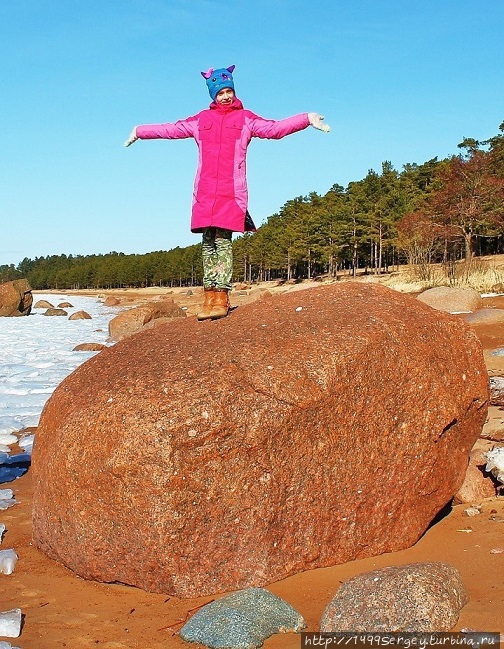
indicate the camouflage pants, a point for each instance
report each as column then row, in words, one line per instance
column 217, row 252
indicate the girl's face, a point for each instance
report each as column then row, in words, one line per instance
column 225, row 96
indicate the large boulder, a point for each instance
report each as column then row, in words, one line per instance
column 15, row 298
column 302, row 431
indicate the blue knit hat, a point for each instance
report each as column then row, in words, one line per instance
column 216, row 80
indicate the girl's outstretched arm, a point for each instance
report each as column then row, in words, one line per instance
column 182, row 129
column 276, row 129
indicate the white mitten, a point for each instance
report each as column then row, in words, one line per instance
column 316, row 122
column 132, row 138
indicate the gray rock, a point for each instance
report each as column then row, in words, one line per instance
column 413, row 597
column 242, row 620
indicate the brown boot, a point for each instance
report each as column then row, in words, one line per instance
column 221, row 304
column 206, row 309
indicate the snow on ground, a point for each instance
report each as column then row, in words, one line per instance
column 36, row 355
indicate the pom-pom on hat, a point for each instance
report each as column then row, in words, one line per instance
column 216, row 80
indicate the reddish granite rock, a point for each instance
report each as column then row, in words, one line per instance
column 132, row 321
column 478, row 483
column 301, row 431
column 15, row 298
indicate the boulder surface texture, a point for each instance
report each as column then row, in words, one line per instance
column 15, row 298
column 303, row 431
column 416, row 597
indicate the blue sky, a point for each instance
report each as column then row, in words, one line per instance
column 399, row 81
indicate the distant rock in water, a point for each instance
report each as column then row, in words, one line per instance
column 55, row 312
column 80, row 315
column 65, row 305
column 89, row 347
column 15, row 298
column 302, row 431
column 43, row 304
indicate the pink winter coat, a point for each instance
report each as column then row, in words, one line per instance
column 222, row 134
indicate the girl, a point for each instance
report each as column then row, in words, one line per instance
column 222, row 133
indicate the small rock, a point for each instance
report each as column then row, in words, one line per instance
column 111, row 301
column 55, row 312
column 242, row 620
column 485, row 316
column 65, row 305
column 88, row 347
column 476, row 485
column 80, row 315
column 452, row 300
column 472, row 511
column 413, row 597
column 43, row 304
column 129, row 322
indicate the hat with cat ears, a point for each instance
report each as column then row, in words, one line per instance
column 216, row 80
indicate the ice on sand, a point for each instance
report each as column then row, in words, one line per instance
column 8, row 560
column 10, row 623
